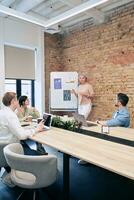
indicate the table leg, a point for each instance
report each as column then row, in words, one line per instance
column 65, row 176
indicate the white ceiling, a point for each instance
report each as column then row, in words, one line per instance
column 57, row 15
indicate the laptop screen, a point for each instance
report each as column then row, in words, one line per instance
column 47, row 119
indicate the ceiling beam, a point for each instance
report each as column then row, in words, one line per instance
column 87, row 16
column 97, row 15
column 74, row 11
column 51, row 9
column 36, row 15
column 20, row 15
column 66, row 15
column 71, row 3
column 7, row 2
column 26, row 5
column 115, row 4
column 58, row 11
column 44, row 5
column 74, row 21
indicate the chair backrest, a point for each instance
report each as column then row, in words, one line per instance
column 3, row 162
column 43, row 167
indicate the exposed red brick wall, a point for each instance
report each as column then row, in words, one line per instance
column 105, row 53
column 52, row 61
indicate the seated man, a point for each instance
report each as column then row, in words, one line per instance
column 10, row 127
column 121, row 117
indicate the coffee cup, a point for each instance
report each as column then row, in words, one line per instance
column 29, row 118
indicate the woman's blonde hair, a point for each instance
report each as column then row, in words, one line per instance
column 84, row 76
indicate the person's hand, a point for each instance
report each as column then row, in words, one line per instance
column 40, row 126
column 25, row 119
column 98, row 122
column 102, row 123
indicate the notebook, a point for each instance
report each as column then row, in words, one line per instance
column 47, row 117
column 81, row 120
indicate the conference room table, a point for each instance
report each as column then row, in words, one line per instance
column 119, row 132
column 112, row 156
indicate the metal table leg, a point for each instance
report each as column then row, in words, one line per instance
column 65, row 176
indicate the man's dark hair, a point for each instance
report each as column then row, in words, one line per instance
column 123, row 99
column 22, row 100
column 8, row 97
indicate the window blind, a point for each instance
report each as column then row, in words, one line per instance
column 19, row 63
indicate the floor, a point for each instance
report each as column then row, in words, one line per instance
column 87, row 182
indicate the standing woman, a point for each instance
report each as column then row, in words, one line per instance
column 84, row 93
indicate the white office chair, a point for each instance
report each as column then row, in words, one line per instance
column 3, row 162
column 32, row 172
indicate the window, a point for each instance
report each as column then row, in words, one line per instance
column 10, row 85
column 26, row 89
column 21, row 87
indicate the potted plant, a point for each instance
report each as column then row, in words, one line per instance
column 68, row 124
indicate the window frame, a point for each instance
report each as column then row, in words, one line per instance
column 19, row 89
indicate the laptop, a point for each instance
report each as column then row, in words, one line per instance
column 47, row 117
column 82, row 121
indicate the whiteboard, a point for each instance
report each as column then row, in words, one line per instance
column 61, row 84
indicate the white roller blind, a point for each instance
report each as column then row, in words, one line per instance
column 19, row 63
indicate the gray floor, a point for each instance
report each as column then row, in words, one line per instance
column 86, row 182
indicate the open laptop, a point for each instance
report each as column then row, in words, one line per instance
column 82, row 121
column 47, row 117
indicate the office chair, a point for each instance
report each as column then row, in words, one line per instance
column 30, row 172
column 3, row 162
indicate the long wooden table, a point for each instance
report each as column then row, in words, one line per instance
column 112, row 156
column 120, row 132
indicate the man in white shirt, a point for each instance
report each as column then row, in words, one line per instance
column 11, row 130
column 10, row 127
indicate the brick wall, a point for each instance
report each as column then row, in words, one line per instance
column 52, row 61
column 105, row 53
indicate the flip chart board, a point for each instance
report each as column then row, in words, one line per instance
column 61, row 84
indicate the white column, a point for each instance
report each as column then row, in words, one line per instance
column 39, row 74
column 2, row 64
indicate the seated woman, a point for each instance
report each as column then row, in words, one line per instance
column 24, row 111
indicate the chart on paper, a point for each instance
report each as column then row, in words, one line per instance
column 61, row 84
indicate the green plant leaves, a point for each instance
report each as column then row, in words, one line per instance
column 68, row 125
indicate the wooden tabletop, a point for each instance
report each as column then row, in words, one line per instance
column 112, row 156
column 120, row 132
